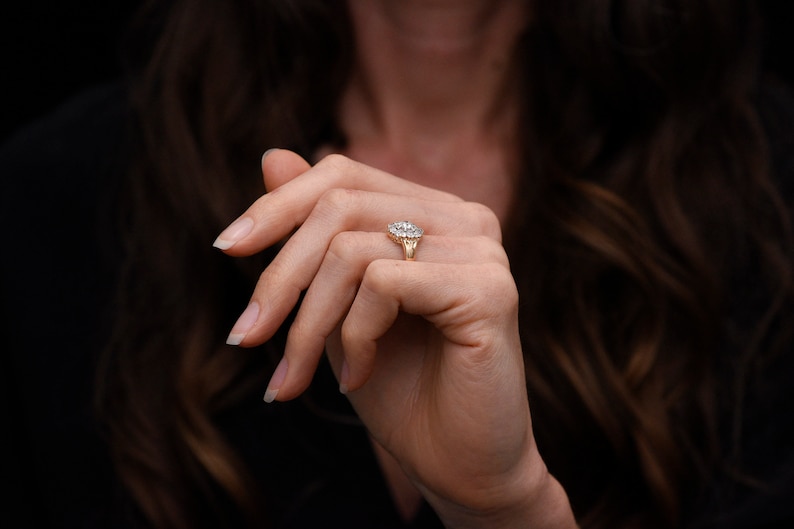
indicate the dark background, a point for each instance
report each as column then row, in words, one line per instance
column 50, row 50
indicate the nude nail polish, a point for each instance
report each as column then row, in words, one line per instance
column 279, row 375
column 244, row 323
column 267, row 152
column 236, row 231
column 344, row 378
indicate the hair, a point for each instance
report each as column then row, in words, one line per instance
column 644, row 191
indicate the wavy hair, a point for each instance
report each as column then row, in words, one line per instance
column 649, row 196
column 644, row 192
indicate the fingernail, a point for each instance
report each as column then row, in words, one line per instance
column 236, row 231
column 243, row 324
column 344, row 378
column 276, row 381
column 268, row 152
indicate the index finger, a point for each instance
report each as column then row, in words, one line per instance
column 276, row 214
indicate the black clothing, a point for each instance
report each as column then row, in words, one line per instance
column 60, row 261
column 59, row 177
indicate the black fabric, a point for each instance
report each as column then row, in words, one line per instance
column 55, row 285
column 60, row 177
column 59, row 264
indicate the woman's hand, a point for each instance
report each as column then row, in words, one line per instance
column 428, row 351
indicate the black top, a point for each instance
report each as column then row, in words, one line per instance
column 59, row 177
column 58, row 269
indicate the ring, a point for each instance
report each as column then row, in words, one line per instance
column 407, row 234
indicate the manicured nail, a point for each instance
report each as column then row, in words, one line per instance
column 344, row 378
column 244, row 324
column 268, row 152
column 236, row 231
column 276, row 381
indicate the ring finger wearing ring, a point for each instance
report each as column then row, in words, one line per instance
column 407, row 234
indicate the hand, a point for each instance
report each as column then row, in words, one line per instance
column 428, row 351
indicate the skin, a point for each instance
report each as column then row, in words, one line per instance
column 427, row 351
column 432, row 98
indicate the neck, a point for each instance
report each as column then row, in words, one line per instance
column 431, row 75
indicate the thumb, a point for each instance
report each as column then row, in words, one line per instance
column 279, row 166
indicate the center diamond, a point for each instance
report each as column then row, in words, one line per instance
column 405, row 230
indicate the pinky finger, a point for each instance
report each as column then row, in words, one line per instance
column 472, row 305
column 372, row 313
column 388, row 287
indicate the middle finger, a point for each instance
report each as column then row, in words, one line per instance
column 341, row 210
column 335, row 285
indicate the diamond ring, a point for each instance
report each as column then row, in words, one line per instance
column 407, row 234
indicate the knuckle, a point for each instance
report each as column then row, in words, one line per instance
column 339, row 170
column 492, row 251
column 500, row 283
column 348, row 334
column 337, row 200
column 277, row 280
column 298, row 330
column 275, row 269
column 380, row 273
column 486, row 221
column 341, row 246
column 335, row 162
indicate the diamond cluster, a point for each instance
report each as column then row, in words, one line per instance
column 404, row 230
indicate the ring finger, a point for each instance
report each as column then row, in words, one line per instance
column 295, row 266
column 335, row 286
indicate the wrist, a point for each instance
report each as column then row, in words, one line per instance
column 532, row 498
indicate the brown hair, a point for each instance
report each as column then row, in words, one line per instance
column 644, row 190
column 649, row 193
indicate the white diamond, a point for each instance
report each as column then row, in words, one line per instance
column 405, row 230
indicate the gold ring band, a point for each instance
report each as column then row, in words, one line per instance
column 407, row 234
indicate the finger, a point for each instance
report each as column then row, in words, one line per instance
column 467, row 303
column 293, row 269
column 335, row 286
column 275, row 215
column 280, row 166
column 360, row 209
